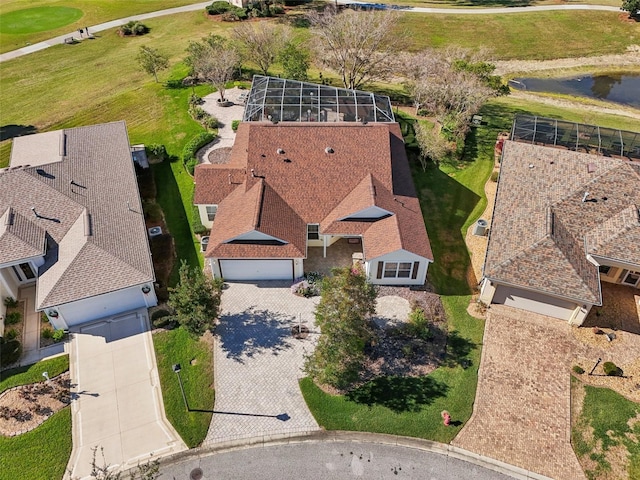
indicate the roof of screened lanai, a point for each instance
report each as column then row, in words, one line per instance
column 279, row 99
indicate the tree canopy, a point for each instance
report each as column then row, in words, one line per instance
column 347, row 301
column 213, row 60
column 359, row 46
column 195, row 300
column 152, row 61
column 262, row 42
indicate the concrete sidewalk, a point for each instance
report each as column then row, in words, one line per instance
column 198, row 6
column 116, row 399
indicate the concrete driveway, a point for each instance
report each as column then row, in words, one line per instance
column 522, row 410
column 258, row 363
column 116, row 398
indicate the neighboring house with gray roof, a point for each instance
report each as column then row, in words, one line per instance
column 71, row 222
column 293, row 186
column 563, row 222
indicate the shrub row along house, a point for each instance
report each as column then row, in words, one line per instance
column 565, row 220
column 71, row 223
column 315, row 171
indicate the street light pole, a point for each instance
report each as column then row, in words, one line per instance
column 176, row 368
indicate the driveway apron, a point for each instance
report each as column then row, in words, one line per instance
column 522, row 410
column 117, row 404
column 258, row 363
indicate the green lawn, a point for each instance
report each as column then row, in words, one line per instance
column 540, row 35
column 38, row 19
column 41, row 453
column 33, row 373
column 92, row 12
column 196, row 359
column 604, row 426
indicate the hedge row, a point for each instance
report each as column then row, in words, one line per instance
column 190, row 149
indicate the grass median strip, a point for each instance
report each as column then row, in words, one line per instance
column 196, row 359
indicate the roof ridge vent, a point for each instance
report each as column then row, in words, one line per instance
column 63, row 144
column 10, row 217
column 584, row 197
column 280, row 151
column 87, row 224
column 328, row 150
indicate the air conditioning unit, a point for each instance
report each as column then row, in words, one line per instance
column 155, row 231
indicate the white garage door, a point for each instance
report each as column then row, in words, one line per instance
column 257, row 269
column 534, row 302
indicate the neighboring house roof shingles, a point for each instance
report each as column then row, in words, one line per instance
column 553, row 208
column 94, row 182
column 314, row 173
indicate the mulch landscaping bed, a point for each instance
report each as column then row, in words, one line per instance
column 25, row 407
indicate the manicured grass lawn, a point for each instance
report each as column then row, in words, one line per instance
column 38, row 19
column 33, row 373
column 92, row 12
column 602, row 427
column 412, row 406
column 41, row 453
column 196, row 359
column 539, row 35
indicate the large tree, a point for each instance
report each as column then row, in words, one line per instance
column 262, row 42
column 213, row 60
column 359, row 46
column 295, row 61
column 347, row 301
column 195, row 300
column 152, row 61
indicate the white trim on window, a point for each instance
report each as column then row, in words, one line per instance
column 313, row 231
column 211, row 212
column 397, row 269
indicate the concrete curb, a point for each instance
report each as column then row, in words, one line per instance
column 356, row 437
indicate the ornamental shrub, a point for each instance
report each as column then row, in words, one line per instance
column 156, row 150
column 47, row 333
column 11, row 334
column 234, row 125
column 10, row 302
column 578, row 369
column 58, row 335
column 611, row 369
column 216, row 8
column 190, row 149
column 10, row 352
column 12, row 318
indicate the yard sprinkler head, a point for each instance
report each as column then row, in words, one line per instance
column 176, row 368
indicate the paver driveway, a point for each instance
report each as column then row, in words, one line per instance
column 258, row 363
column 521, row 415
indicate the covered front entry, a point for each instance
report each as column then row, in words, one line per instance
column 534, row 302
column 242, row 270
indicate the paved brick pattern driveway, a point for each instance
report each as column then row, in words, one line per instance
column 258, row 363
column 522, row 415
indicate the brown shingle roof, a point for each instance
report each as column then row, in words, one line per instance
column 96, row 175
column 318, row 185
column 542, row 230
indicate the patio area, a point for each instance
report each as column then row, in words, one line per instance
column 620, row 309
column 340, row 254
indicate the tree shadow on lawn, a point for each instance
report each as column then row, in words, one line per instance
column 254, row 331
column 399, row 393
column 458, row 350
column 12, row 131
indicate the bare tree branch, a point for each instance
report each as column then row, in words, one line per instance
column 359, row 46
column 262, row 42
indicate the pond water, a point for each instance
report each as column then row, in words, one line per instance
column 619, row 88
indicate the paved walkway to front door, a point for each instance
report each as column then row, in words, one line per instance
column 258, row 363
column 522, row 410
column 116, row 399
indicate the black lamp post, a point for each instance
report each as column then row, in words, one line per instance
column 176, row 369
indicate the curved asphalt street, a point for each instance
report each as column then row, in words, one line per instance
column 200, row 6
column 330, row 461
